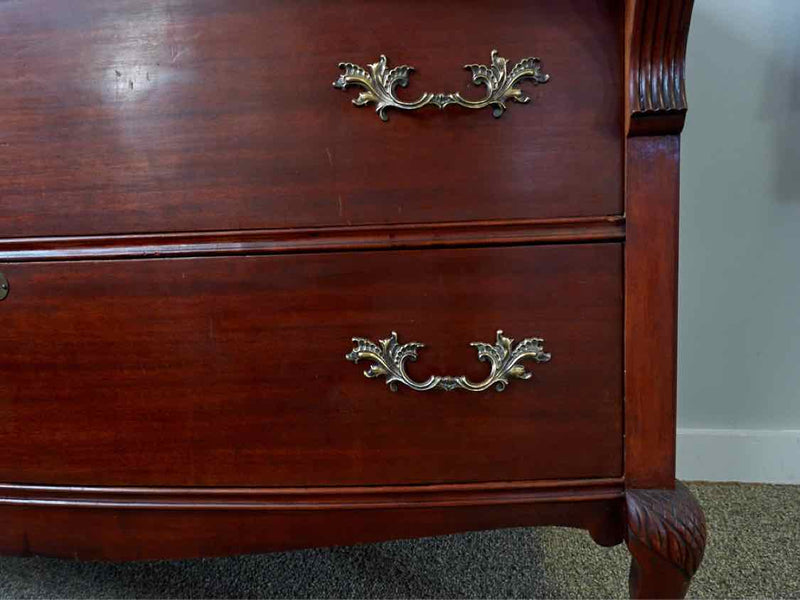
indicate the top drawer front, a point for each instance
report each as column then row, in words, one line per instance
column 143, row 116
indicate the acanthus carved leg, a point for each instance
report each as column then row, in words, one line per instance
column 666, row 536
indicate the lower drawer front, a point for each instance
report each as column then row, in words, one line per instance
column 232, row 371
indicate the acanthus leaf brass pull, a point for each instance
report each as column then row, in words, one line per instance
column 388, row 359
column 380, row 84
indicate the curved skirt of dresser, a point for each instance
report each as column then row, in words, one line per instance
column 104, row 523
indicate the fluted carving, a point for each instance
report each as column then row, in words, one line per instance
column 657, row 31
column 666, row 534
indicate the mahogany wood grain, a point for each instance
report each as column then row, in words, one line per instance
column 112, row 534
column 215, row 115
column 666, row 535
column 314, row 498
column 315, row 239
column 232, row 371
column 666, row 528
column 655, row 59
column 202, row 406
column 651, row 308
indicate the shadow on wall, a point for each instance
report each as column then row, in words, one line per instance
column 781, row 103
column 739, row 325
column 745, row 55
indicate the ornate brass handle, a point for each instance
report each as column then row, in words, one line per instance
column 389, row 356
column 380, row 85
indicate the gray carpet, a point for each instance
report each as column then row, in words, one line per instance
column 753, row 552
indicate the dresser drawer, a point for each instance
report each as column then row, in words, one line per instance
column 142, row 116
column 233, row 371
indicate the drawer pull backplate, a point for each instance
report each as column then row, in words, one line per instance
column 380, row 84
column 388, row 359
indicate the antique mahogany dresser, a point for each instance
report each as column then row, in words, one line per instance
column 200, row 235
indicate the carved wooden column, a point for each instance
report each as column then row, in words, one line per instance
column 665, row 526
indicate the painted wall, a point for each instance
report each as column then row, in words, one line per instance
column 739, row 299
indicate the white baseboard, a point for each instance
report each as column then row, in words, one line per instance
column 747, row 455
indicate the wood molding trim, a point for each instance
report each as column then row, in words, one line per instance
column 101, row 534
column 655, row 54
column 320, row 239
column 320, row 498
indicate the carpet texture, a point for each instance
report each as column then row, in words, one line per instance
column 753, row 552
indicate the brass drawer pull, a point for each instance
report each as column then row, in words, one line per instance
column 389, row 356
column 380, row 84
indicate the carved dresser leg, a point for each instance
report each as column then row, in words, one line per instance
column 666, row 536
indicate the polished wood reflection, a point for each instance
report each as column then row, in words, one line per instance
column 185, row 115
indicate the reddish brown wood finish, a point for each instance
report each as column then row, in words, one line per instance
column 232, row 371
column 666, row 535
column 656, row 35
column 210, row 129
column 651, row 283
column 316, row 239
column 314, row 499
column 135, row 534
column 216, row 115
column 666, row 527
